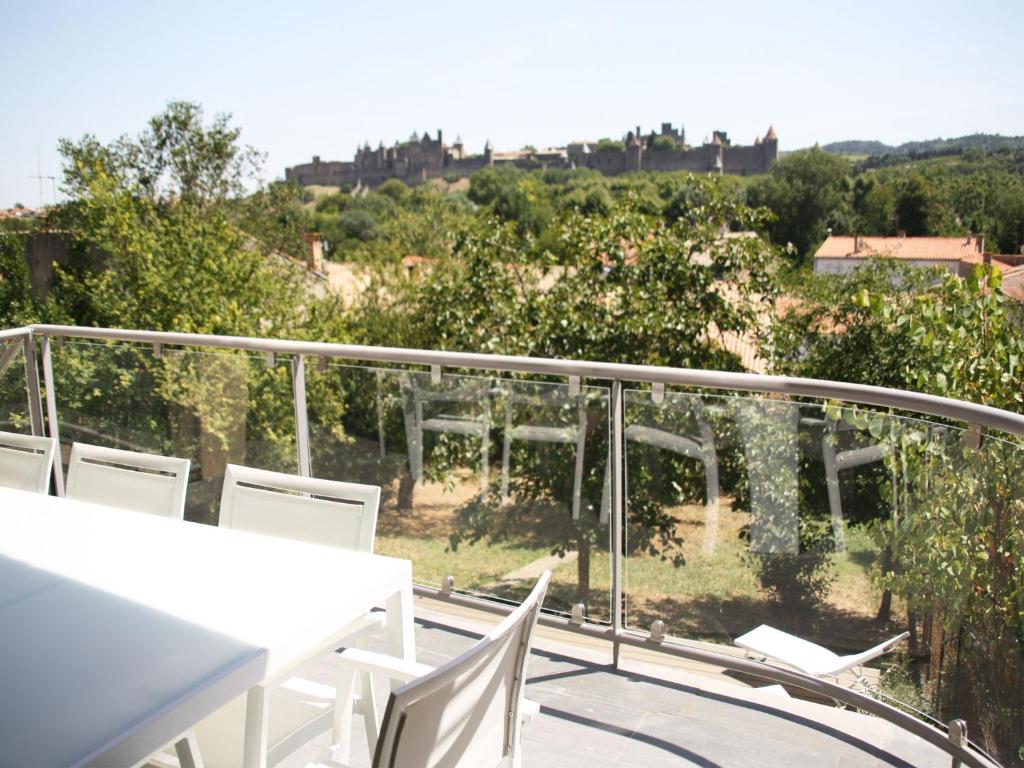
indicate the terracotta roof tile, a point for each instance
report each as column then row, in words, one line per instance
column 910, row 248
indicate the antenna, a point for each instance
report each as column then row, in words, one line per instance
column 40, row 177
column 53, row 188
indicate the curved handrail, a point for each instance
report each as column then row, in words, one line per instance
column 933, row 405
column 971, row 413
column 15, row 333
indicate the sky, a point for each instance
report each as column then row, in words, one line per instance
column 304, row 78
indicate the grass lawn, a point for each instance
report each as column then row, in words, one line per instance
column 712, row 596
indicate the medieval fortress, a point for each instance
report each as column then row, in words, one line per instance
column 423, row 158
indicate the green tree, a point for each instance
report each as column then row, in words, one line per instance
column 917, row 206
column 808, row 191
column 957, row 550
column 631, row 289
column 163, row 210
column 827, row 330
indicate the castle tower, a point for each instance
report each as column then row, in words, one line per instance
column 769, row 149
column 634, row 152
column 488, row 153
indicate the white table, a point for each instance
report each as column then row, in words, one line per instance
column 120, row 630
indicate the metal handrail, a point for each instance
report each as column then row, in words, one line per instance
column 933, row 405
column 15, row 333
column 977, row 416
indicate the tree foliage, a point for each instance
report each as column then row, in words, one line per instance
column 156, row 227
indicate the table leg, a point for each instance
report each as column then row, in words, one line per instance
column 257, row 711
column 401, row 639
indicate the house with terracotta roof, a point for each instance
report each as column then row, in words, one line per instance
column 840, row 254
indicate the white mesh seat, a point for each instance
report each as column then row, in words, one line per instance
column 700, row 447
column 26, row 461
column 140, row 482
column 306, row 509
column 316, row 511
column 542, row 398
column 471, row 416
column 467, row 713
column 810, row 658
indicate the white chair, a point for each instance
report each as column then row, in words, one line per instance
column 700, row 446
column 573, row 433
column 467, row 713
column 26, row 461
column 302, row 508
column 471, row 416
column 810, row 658
column 140, row 482
column 306, row 509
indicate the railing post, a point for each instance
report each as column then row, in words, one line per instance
column 618, row 472
column 51, row 415
column 35, row 397
column 301, row 417
column 957, row 731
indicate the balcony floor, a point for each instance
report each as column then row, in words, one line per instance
column 646, row 715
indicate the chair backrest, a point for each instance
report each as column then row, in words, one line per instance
column 140, row 482
column 464, row 714
column 301, row 508
column 26, row 461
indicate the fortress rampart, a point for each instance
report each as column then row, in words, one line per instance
column 423, row 158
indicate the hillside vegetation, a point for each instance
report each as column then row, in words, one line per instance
column 985, row 142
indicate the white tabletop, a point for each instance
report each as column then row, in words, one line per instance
column 120, row 630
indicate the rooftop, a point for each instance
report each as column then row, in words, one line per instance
column 914, row 248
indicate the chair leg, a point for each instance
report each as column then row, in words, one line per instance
column 577, row 483
column 835, row 500
column 341, row 732
column 485, row 445
column 711, row 506
column 505, row 451
column 187, row 751
column 368, row 709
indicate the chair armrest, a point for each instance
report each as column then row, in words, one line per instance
column 362, row 625
column 382, row 664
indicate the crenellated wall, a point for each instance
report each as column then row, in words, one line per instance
column 423, row 158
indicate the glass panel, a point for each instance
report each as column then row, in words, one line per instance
column 743, row 511
column 487, row 480
column 213, row 408
column 14, row 412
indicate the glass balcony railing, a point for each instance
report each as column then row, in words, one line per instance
column 709, row 511
column 14, row 394
column 214, row 407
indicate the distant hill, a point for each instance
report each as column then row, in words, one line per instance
column 856, row 147
column 984, row 142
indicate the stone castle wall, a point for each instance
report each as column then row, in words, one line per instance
column 426, row 158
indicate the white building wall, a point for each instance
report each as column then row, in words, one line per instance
column 829, row 266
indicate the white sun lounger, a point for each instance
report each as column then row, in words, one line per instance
column 809, row 657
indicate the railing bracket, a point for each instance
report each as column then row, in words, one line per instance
column 974, row 437
column 574, row 386
column 657, row 631
column 158, row 350
column 658, row 392
column 321, row 364
column 270, row 359
column 958, row 736
column 447, row 585
column 435, row 374
column 579, row 613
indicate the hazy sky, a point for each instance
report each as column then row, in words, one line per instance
column 304, row 78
